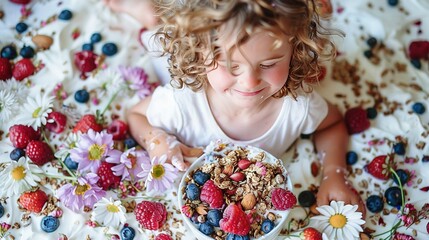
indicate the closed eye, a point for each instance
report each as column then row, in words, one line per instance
column 266, row 66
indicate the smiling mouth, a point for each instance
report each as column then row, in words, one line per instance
column 249, row 94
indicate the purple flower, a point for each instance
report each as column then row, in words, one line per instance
column 128, row 163
column 137, row 80
column 91, row 149
column 85, row 192
column 159, row 175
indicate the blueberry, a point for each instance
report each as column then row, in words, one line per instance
column 425, row 158
column 306, row 198
column 65, row 15
column 267, row 225
column 392, row 2
column 81, row 96
column 231, row 236
column 72, row 165
column 213, row 217
column 372, row 41
column 393, row 196
column 419, row 108
column 95, row 38
column 416, row 63
column 128, row 233
column 371, row 112
column 351, row 157
column 367, row 53
column 200, row 177
column 130, row 143
column 193, row 192
column 374, row 203
column 49, row 224
column 87, row 47
column 399, row 148
column 206, row 228
column 109, row 49
column 403, row 176
column 1, row 210
column 21, row 27
column 27, row 52
column 16, row 154
column 9, row 52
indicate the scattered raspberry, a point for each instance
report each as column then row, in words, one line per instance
column 21, row 135
column 107, row 178
column 212, row 194
column 235, row 221
column 163, row 236
column 419, row 50
column 87, row 122
column 39, row 152
column 187, row 210
column 310, row 234
column 356, row 120
column 85, row 61
column 5, row 69
column 33, row 201
column 118, row 129
column 59, row 122
column 23, row 68
column 380, row 166
column 151, row 215
column 282, row 199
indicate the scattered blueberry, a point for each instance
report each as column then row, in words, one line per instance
column 367, row 53
column 95, row 38
column 72, row 165
column 16, row 154
column 372, row 41
column 371, row 112
column 87, row 47
column 27, row 52
column 109, row 49
column 9, row 52
column 416, row 63
column 49, row 224
column 21, row 27
column 213, row 217
column 403, row 176
column 231, row 236
column 374, row 203
column 206, row 228
column 200, row 177
column 81, row 96
column 393, row 196
column 419, row 108
column 130, row 143
column 392, row 2
column 267, row 225
column 399, row 148
column 425, row 158
column 128, row 233
column 1, row 210
column 65, row 15
column 306, row 198
column 351, row 157
column 192, row 192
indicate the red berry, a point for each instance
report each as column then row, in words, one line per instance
column 87, row 122
column 163, row 236
column 85, row 61
column 118, row 129
column 380, row 167
column 23, row 68
column 212, row 194
column 21, row 1
column 282, row 199
column 59, row 122
column 356, row 120
column 33, row 201
column 419, row 50
column 310, row 234
column 39, row 152
column 21, row 135
column 107, row 178
column 235, row 221
column 151, row 215
column 5, row 69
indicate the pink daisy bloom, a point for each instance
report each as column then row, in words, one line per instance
column 91, row 149
column 128, row 163
column 159, row 175
column 137, row 80
column 85, row 192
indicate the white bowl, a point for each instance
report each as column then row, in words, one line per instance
column 204, row 159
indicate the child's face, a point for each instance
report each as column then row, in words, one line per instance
column 259, row 70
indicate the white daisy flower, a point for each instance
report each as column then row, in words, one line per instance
column 17, row 87
column 36, row 110
column 108, row 82
column 339, row 221
column 70, row 143
column 9, row 104
column 109, row 213
column 19, row 177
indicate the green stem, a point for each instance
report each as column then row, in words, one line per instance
column 61, row 177
column 110, row 102
column 400, row 187
column 67, row 168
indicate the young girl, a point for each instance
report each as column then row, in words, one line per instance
column 240, row 70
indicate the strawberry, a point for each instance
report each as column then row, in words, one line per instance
column 380, row 167
column 151, row 215
column 87, row 122
column 212, row 194
column 235, row 220
column 23, row 68
column 33, row 201
column 39, row 152
column 107, row 178
column 282, row 199
column 310, row 234
column 85, row 61
column 118, row 129
column 59, row 122
column 20, row 1
column 5, row 69
column 356, row 120
column 163, row 236
column 419, row 50
column 21, row 135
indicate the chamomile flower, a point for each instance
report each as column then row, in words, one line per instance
column 108, row 82
column 339, row 221
column 109, row 213
column 19, row 177
column 159, row 175
column 36, row 110
column 9, row 104
column 17, row 87
column 70, row 143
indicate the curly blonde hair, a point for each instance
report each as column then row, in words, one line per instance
column 192, row 32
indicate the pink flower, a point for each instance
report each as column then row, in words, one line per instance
column 137, row 80
column 159, row 175
column 128, row 163
column 402, row 236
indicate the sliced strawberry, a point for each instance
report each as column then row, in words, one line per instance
column 118, row 129
column 59, row 122
column 33, row 201
column 107, row 179
column 39, row 152
column 87, row 122
column 356, row 120
column 21, row 135
column 23, row 68
column 235, row 220
column 5, row 69
column 380, row 167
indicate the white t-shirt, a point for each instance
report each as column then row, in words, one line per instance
column 187, row 115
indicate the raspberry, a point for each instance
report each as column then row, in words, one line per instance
column 163, row 236
column 235, row 221
column 118, row 129
column 85, row 61
column 212, row 194
column 151, row 215
column 39, row 152
column 356, row 120
column 59, row 122
column 107, row 178
column 21, row 135
column 419, row 50
column 282, row 199
column 5, row 69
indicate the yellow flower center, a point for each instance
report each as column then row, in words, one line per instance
column 18, row 173
column 338, row 221
column 36, row 112
column 81, row 189
column 158, row 171
column 112, row 208
column 96, row 152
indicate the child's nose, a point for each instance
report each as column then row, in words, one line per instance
column 250, row 79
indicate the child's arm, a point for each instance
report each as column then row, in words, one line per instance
column 331, row 140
